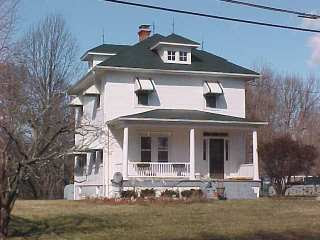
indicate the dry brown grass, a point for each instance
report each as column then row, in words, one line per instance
column 263, row 219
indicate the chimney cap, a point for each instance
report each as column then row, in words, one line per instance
column 144, row 26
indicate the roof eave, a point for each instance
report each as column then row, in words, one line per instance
column 85, row 57
column 187, row 121
column 164, row 71
column 175, row 44
column 74, row 89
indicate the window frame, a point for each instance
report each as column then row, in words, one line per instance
column 171, row 55
column 166, row 149
column 146, row 95
column 145, row 149
column 183, row 56
column 213, row 96
column 82, row 168
column 98, row 101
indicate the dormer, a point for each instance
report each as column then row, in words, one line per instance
column 175, row 49
column 101, row 53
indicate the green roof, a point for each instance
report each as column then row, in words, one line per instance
column 174, row 38
column 141, row 56
column 186, row 116
column 109, row 48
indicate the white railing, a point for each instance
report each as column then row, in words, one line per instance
column 156, row 169
column 246, row 170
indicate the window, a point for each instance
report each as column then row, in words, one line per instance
column 163, row 154
column 211, row 101
column 204, row 149
column 171, row 55
column 82, row 164
column 79, row 116
column 94, row 158
column 145, row 149
column 227, row 149
column 183, row 56
column 143, row 98
column 98, row 101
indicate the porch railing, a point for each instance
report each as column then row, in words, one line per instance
column 156, row 169
column 246, row 170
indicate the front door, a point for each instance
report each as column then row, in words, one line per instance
column 216, row 154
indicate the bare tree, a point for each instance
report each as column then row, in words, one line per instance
column 36, row 127
column 48, row 51
column 7, row 20
column 290, row 103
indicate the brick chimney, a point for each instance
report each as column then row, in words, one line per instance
column 144, row 32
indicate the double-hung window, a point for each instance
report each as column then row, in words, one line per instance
column 143, row 98
column 145, row 149
column 211, row 101
column 82, row 164
column 183, row 56
column 163, row 149
column 171, row 55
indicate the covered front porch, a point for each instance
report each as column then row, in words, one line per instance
column 188, row 148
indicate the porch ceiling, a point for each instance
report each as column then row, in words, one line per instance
column 185, row 116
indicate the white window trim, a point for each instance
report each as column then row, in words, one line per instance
column 154, row 145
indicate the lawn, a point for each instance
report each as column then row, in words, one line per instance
column 242, row 220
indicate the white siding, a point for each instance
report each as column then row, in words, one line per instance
column 172, row 92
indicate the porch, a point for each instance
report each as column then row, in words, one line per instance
column 197, row 150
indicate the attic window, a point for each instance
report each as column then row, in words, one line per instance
column 171, row 55
column 183, row 56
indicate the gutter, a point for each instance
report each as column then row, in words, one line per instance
column 187, row 121
column 180, row 72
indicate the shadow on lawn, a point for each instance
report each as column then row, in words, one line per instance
column 69, row 224
column 87, row 224
column 288, row 235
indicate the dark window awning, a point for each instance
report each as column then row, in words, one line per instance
column 185, row 116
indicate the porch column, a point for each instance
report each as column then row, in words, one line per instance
column 255, row 155
column 125, row 153
column 192, row 154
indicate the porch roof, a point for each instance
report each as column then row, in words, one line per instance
column 186, row 116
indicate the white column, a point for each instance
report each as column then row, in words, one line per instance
column 255, row 155
column 192, row 154
column 125, row 153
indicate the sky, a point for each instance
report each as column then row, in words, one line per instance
column 285, row 51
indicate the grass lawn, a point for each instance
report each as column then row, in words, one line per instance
column 242, row 220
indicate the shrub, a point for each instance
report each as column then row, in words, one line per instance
column 170, row 193
column 196, row 193
column 129, row 194
column 147, row 193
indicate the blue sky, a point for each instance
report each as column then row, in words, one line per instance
column 247, row 45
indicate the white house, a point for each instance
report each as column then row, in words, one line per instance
column 164, row 114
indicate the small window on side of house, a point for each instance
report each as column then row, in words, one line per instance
column 143, row 98
column 98, row 101
column 211, row 101
column 171, row 55
column 82, row 164
column 183, row 56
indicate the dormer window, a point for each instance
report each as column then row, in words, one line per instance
column 171, row 55
column 143, row 90
column 183, row 56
